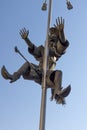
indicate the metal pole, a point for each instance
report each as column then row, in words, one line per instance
column 44, row 89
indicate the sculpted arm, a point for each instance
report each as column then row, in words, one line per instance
column 34, row 50
column 60, row 26
column 24, row 34
column 62, row 43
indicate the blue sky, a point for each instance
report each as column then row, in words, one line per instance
column 20, row 101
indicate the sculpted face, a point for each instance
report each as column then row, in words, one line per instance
column 53, row 31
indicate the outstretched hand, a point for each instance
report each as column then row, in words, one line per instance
column 59, row 24
column 24, row 33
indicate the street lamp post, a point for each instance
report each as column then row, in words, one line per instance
column 45, row 67
column 44, row 89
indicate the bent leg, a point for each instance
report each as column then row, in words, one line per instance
column 16, row 75
column 59, row 93
column 33, row 73
column 55, row 81
column 58, row 80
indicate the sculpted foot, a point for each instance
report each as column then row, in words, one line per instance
column 6, row 75
column 59, row 97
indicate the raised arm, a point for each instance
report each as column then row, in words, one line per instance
column 57, row 40
column 60, row 26
column 37, row 52
column 24, row 34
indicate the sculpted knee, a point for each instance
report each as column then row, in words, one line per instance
column 58, row 73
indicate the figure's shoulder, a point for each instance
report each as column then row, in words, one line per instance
column 41, row 47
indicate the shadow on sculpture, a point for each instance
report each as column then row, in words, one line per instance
column 57, row 45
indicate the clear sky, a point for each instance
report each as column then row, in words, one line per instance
column 20, row 101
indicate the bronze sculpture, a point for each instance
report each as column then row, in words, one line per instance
column 57, row 45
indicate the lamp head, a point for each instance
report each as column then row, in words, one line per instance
column 69, row 5
column 44, row 6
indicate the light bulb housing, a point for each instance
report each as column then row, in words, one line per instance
column 44, row 6
column 69, row 5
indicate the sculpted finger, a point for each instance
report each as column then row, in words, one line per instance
column 59, row 20
column 24, row 30
column 55, row 26
column 63, row 21
column 20, row 32
column 56, row 22
column 27, row 31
